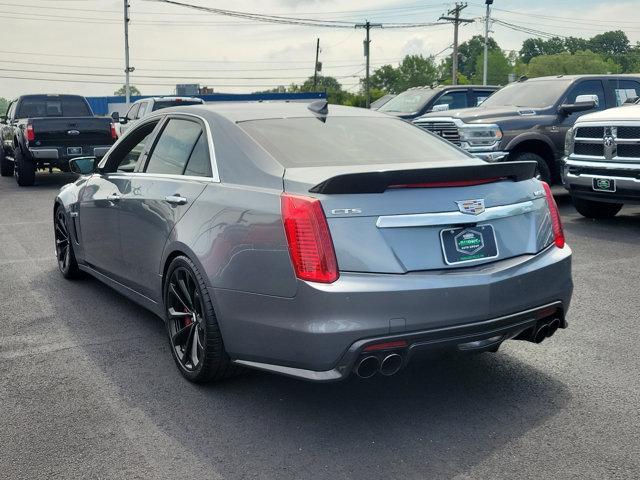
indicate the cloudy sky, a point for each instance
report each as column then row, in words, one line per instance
column 79, row 43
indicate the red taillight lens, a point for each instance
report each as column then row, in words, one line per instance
column 376, row 347
column 31, row 134
column 556, row 223
column 114, row 134
column 310, row 245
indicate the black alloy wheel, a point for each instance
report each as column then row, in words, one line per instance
column 194, row 333
column 184, row 319
column 64, row 249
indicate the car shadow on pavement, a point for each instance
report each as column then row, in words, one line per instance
column 436, row 419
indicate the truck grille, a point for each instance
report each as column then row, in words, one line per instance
column 608, row 142
column 446, row 130
column 590, row 132
column 592, row 149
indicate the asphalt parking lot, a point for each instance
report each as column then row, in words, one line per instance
column 88, row 388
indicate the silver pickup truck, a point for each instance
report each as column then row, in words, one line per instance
column 601, row 167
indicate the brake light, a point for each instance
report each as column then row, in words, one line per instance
column 114, row 133
column 309, row 240
column 31, row 134
column 458, row 183
column 556, row 222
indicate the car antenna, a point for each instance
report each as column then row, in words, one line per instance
column 320, row 108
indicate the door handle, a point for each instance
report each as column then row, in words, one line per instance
column 175, row 200
column 114, row 197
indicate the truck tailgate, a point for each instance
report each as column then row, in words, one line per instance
column 71, row 131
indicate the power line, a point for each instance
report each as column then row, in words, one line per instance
column 456, row 20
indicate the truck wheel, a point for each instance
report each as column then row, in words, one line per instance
column 542, row 172
column 6, row 167
column 593, row 209
column 25, row 169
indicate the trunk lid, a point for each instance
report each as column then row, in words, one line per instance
column 378, row 225
column 71, row 131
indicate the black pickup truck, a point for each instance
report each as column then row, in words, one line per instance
column 46, row 131
column 529, row 119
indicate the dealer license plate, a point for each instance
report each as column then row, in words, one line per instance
column 468, row 244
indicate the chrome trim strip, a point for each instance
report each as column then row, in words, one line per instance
column 603, row 164
column 459, row 218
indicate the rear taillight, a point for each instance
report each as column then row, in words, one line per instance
column 31, row 134
column 114, row 134
column 556, row 223
column 310, row 245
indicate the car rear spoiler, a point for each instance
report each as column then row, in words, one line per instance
column 378, row 182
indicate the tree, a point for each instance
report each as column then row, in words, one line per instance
column 4, row 104
column 534, row 47
column 610, row 44
column 575, row 44
column 413, row 71
column 468, row 56
column 132, row 88
column 567, row 64
column 498, row 68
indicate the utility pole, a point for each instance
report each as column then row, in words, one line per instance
column 486, row 40
column 315, row 67
column 127, row 68
column 456, row 20
column 367, row 43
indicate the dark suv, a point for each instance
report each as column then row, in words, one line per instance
column 420, row 100
column 529, row 119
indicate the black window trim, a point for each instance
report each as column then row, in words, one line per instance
column 204, row 129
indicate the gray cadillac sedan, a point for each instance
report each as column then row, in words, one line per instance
column 313, row 240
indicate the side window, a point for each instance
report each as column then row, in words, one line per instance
column 480, row 96
column 453, row 100
column 199, row 164
column 588, row 87
column 175, row 146
column 143, row 110
column 625, row 89
column 133, row 111
column 129, row 152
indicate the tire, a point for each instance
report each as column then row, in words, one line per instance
column 593, row 209
column 25, row 169
column 543, row 171
column 6, row 166
column 67, row 263
column 192, row 326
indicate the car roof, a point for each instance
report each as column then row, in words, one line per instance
column 244, row 111
column 453, row 87
column 623, row 76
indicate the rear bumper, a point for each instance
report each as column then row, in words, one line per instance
column 56, row 155
column 315, row 330
column 578, row 176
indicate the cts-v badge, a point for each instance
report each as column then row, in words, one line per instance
column 346, row 211
column 471, row 207
column 73, row 132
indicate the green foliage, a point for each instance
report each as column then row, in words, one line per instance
column 4, row 104
column 610, row 44
column 498, row 68
column 566, row 64
column 122, row 90
column 468, row 53
column 413, row 71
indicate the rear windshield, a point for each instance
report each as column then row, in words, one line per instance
column 538, row 94
column 343, row 141
column 52, row 106
column 173, row 103
column 408, row 102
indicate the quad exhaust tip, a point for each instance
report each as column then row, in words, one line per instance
column 368, row 367
column 541, row 333
column 391, row 364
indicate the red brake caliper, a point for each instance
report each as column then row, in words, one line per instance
column 188, row 320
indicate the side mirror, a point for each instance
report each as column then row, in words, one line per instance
column 82, row 165
column 115, row 116
column 443, row 107
column 569, row 108
column 588, row 98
